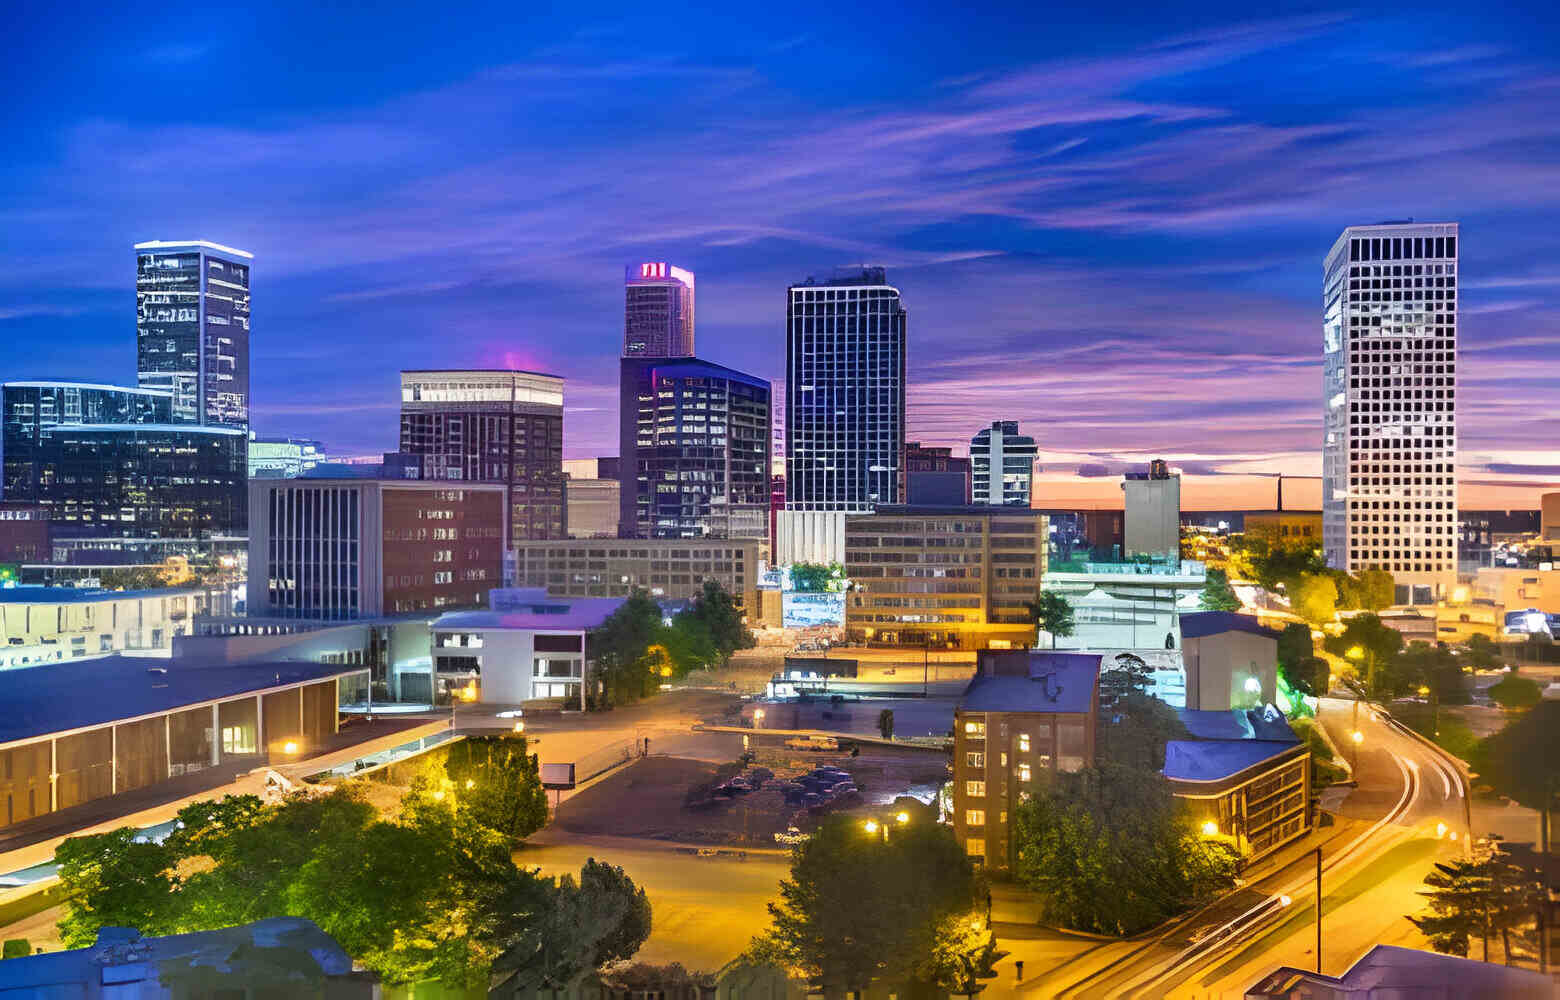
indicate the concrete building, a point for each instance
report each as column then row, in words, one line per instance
column 696, row 458
column 936, row 477
column 945, row 577
column 151, row 720
column 1246, row 775
column 809, row 536
column 1389, row 458
column 1024, row 716
column 1152, row 505
column 1284, row 527
column 283, row 457
column 44, row 625
column 1516, row 589
column 845, row 393
column 192, row 328
column 669, row 568
column 1002, row 465
column 337, row 549
column 593, row 506
column 528, row 646
column 492, row 426
column 1231, row 661
column 1549, row 517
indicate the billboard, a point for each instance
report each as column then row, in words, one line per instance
column 806, row 610
column 559, row 776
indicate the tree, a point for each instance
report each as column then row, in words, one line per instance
column 964, row 951
column 717, row 613
column 1369, row 644
column 1272, row 565
column 817, row 578
column 498, row 784
column 1053, row 613
column 1313, row 597
column 1135, row 731
column 1421, row 664
column 114, row 880
column 601, row 918
column 620, row 647
column 1480, row 898
column 1109, row 849
column 1377, row 590
column 1519, row 762
column 1298, row 663
column 1514, row 693
column 1127, row 674
column 1217, row 594
column 859, row 908
column 886, row 723
column 1480, row 652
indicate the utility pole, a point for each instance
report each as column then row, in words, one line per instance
column 1318, row 911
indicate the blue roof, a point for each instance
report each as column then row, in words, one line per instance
column 698, row 367
column 81, row 595
column 75, row 694
column 1214, row 760
column 1197, row 624
column 1056, row 682
column 1239, row 724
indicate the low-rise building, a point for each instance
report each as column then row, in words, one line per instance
column 671, row 568
column 1231, row 661
column 341, row 548
column 1285, row 527
column 593, row 507
column 1026, row 714
column 1389, row 971
column 52, row 624
column 946, row 577
column 1515, row 589
column 149, row 720
column 1152, row 503
column 1247, row 776
column 1130, row 604
column 529, row 645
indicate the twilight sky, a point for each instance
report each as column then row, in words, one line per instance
column 1108, row 225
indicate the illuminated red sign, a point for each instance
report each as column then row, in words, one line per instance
column 657, row 270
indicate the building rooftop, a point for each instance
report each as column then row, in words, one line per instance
column 71, row 384
column 1054, row 682
column 477, row 371
column 1215, row 760
column 959, row 510
column 83, row 595
column 1197, row 624
column 1387, row 970
column 698, row 366
column 1238, row 724
column 848, row 276
column 206, row 244
column 532, row 608
column 78, row 694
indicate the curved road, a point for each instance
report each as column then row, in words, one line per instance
column 1408, row 810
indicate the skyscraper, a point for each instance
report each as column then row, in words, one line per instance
column 1389, row 455
column 1002, row 465
column 492, row 426
column 657, row 311
column 845, row 393
column 192, row 328
column 701, row 453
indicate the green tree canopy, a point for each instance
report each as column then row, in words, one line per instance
column 1480, row 652
column 1298, row 663
column 860, row 908
column 498, row 784
column 620, row 646
column 1519, row 761
column 817, row 578
column 1377, row 646
column 1217, row 594
column 1052, row 613
column 1110, row 850
column 1313, row 597
column 1125, row 674
column 1377, row 590
column 1515, row 692
column 1479, row 899
column 1134, row 732
column 1421, row 664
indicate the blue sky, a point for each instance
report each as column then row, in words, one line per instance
column 1106, row 222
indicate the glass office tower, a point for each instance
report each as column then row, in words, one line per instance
column 845, row 393
column 192, row 328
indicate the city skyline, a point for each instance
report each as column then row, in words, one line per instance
column 1110, row 265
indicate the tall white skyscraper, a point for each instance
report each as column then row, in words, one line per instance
column 845, row 393
column 1389, row 455
column 1002, row 465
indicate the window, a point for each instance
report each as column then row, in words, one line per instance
column 974, row 728
column 975, row 817
column 1023, row 742
column 975, row 789
column 975, row 847
column 975, row 759
column 1024, row 772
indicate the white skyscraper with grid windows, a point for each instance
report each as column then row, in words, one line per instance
column 1389, row 457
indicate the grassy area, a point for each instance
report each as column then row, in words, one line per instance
column 33, row 903
column 1412, row 853
column 1449, row 732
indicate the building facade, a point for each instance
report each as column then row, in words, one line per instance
column 24, row 533
column 593, row 506
column 192, row 328
column 283, row 457
column 1151, row 505
column 697, row 465
column 658, row 312
column 845, row 393
column 936, row 476
column 339, row 549
column 43, row 625
column 958, row 578
column 670, row 568
column 492, row 426
column 1025, row 716
column 1389, row 457
column 1002, row 465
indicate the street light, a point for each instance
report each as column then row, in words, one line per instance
column 1356, row 737
column 871, row 826
column 290, row 747
column 519, row 727
column 1210, row 829
column 902, row 818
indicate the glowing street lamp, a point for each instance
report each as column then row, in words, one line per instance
column 519, row 727
column 902, row 818
column 290, row 747
column 871, row 826
column 1210, row 829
